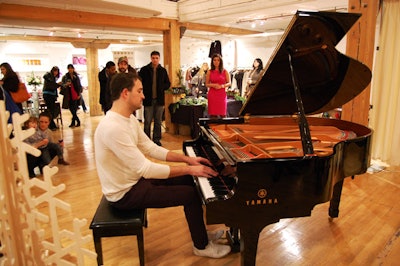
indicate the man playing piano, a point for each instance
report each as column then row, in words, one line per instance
column 129, row 180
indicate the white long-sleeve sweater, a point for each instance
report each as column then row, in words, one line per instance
column 121, row 147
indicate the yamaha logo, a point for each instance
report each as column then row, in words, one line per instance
column 262, row 199
column 262, row 193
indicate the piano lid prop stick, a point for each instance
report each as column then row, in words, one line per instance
column 303, row 124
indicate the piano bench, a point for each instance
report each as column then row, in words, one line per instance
column 109, row 222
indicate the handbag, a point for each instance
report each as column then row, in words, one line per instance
column 74, row 95
column 21, row 95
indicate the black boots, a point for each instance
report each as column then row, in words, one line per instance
column 78, row 123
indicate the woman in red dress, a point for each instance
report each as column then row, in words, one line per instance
column 217, row 80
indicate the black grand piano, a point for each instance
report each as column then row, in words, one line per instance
column 277, row 160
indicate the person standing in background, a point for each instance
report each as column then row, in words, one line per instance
column 155, row 81
column 104, row 76
column 217, row 80
column 72, row 93
column 254, row 75
column 50, row 94
column 10, row 80
column 199, row 82
column 124, row 67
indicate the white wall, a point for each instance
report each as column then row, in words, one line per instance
column 238, row 53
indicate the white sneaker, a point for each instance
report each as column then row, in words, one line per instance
column 215, row 235
column 213, row 250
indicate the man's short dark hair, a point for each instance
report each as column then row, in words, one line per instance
column 155, row 53
column 120, row 81
column 110, row 64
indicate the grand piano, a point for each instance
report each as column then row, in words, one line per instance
column 279, row 159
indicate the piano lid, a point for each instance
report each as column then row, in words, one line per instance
column 326, row 78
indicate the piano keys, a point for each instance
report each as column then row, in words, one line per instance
column 276, row 160
column 217, row 188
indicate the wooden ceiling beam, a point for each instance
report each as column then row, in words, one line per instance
column 79, row 19
column 74, row 40
column 216, row 28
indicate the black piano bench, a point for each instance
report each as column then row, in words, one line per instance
column 109, row 222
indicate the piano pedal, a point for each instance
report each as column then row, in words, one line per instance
column 232, row 235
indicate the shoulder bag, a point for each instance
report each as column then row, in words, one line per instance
column 21, row 95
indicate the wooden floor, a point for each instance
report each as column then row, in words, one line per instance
column 366, row 232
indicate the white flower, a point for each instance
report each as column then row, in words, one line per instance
column 34, row 80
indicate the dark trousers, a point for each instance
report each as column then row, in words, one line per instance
column 73, row 108
column 82, row 103
column 32, row 163
column 51, row 107
column 50, row 151
column 171, row 192
column 155, row 112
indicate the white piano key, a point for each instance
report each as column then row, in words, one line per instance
column 190, row 151
column 206, row 188
column 203, row 181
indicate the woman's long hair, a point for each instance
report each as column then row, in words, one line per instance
column 55, row 68
column 9, row 71
column 260, row 65
column 221, row 63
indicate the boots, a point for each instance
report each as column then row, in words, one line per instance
column 77, row 124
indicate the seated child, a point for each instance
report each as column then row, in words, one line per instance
column 33, row 140
column 42, row 140
column 50, row 149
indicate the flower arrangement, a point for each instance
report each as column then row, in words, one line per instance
column 234, row 94
column 190, row 101
column 34, row 80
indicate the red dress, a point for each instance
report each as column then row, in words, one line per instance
column 217, row 97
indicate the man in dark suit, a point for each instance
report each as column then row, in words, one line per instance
column 104, row 76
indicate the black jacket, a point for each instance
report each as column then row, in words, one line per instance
column 76, row 81
column 163, row 83
column 50, row 85
column 103, row 87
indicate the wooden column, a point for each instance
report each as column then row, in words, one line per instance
column 171, row 43
column 360, row 45
column 92, row 62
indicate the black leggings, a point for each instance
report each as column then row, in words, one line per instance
column 73, row 108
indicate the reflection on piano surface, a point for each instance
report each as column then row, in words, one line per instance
column 282, row 165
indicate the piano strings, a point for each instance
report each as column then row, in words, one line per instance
column 274, row 141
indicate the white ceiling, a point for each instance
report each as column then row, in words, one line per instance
column 266, row 16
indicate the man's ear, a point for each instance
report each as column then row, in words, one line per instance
column 124, row 92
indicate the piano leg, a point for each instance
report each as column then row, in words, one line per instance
column 335, row 201
column 248, row 246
